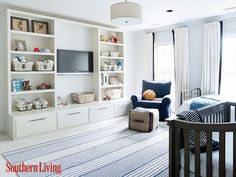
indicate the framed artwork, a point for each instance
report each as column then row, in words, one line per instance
column 20, row 45
column 40, row 27
column 20, row 24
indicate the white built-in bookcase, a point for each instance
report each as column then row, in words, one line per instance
column 49, row 41
column 115, row 47
column 36, row 78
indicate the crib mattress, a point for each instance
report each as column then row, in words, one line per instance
column 215, row 158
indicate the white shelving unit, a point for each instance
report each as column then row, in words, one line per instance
column 36, row 78
column 112, row 73
column 22, row 124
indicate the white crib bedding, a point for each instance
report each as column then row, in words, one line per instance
column 215, row 158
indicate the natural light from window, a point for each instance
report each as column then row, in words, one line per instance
column 164, row 67
column 228, row 77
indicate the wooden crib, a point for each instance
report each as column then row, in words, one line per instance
column 217, row 118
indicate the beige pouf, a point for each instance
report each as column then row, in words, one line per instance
column 143, row 119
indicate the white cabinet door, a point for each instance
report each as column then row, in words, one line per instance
column 122, row 109
column 35, row 124
column 73, row 117
column 101, row 112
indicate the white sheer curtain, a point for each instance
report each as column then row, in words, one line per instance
column 164, row 60
column 181, row 55
column 211, row 58
column 148, row 57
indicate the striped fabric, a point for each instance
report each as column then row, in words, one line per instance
column 109, row 151
column 193, row 116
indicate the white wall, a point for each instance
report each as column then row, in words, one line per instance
column 139, row 61
column 73, row 37
column 130, row 64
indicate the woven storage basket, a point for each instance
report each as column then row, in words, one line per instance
column 41, row 66
column 82, row 97
column 22, row 66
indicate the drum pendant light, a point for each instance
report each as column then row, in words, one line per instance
column 126, row 13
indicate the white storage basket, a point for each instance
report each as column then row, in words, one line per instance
column 23, row 105
column 44, row 65
column 114, row 93
column 104, row 53
column 22, row 66
column 114, row 54
column 40, row 103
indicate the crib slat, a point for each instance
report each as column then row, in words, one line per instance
column 177, row 149
column 209, row 154
column 222, row 154
column 186, row 152
column 197, row 153
column 234, row 154
column 235, row 113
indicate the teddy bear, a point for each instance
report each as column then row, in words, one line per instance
column 27, row 85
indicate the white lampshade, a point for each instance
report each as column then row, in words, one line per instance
column 126, row 13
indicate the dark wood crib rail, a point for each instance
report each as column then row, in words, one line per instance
column 213, row 116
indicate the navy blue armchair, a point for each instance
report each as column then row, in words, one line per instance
column 162, row 90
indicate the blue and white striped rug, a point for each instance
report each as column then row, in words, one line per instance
column 105, row 152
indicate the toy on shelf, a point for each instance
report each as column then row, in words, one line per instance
column 119, row 66
column 106, row 98
column 61, row 101
column 114, row 39
column 27, row 85
column 17, row 85
column 103, row 38
column 43, row 86
column 45, row 50
column 36, row 49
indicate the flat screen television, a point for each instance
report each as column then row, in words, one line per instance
column 72, row 61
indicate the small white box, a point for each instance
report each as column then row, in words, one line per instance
column 114, row 93
column 104, row 53
column 114, row 54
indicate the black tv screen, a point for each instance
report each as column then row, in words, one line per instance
column 72, row 61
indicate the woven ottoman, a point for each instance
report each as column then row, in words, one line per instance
column 143, row 119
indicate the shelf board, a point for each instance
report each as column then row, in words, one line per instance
column 33, row 92
column 109, row 43
column 31, row 53
column 110, row 72
column 119, row 58
column 32, row 34
column 32, row 72
column 33, row 111
column 112, row 86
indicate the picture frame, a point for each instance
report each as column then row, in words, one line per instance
column 20, row 45
column 19, row 24
column 40, row 27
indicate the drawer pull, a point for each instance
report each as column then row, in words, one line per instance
column 74, row 113
column 35, row 120
column 102, row 109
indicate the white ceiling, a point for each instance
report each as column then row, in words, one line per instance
column 154, row 14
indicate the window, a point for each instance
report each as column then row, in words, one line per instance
column 228, row 74
column 164, row 66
